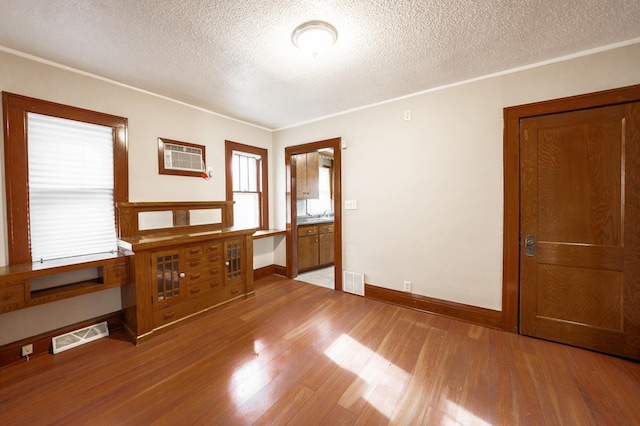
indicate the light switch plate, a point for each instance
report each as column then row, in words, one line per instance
column 351, row 204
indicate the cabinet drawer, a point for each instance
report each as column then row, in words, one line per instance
column 307, row 230
column 170, row 314
column 325, row 229
column 209, row 279
column 193, row 251
column 195, row 263
column 12, row 297
column 194, row 276
column 203, row 287
column 230, row 292
column 202, row 262
column 213, row 248
column 207, row 272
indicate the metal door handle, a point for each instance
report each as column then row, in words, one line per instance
column 530, row 245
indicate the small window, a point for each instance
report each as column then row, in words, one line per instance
column 324, row 202
column 247, row 185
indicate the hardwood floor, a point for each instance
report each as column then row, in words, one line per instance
column 301, row 354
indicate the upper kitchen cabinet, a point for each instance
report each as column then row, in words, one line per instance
column 307, row 175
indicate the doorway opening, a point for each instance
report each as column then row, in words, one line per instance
column 314, row 209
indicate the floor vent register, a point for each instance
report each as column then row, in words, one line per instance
column 353, row 282
column 79, row 337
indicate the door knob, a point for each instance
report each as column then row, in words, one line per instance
column 530, row 245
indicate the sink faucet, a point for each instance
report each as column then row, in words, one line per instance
column 327, row 213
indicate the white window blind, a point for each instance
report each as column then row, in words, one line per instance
column 246, row 189
column 246, row 210
column 71, row 206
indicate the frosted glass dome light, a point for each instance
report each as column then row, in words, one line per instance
column 314, row 37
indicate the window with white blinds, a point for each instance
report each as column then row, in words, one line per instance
column 247, row 184
column 246, row 189
column 71, row 188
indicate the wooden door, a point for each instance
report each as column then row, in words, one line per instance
column 580, row 201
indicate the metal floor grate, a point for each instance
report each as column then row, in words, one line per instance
column 79, row 337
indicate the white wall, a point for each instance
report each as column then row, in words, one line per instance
column 429, row 190
column 149, row 117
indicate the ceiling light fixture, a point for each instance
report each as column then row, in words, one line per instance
column 314, row 37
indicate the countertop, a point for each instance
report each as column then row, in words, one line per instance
column 311, row 220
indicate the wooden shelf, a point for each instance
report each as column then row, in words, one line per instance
column 265, row 233
column 70, row 290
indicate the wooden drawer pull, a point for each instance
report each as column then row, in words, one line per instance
column 194, row 251
column 195, row 290
column 195, row 276
column 235, row 291
column 169, row 315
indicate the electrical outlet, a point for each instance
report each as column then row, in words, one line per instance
column 27, row 349
column 407, row 286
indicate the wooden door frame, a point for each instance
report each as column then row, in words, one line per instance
column 292, row 225
column 511, row 159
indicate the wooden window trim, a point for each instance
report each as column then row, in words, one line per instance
column 263, row 196
column 15, row 109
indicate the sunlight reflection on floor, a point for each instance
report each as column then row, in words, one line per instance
column 379, row 382
column 250, row 377
column 457, row 415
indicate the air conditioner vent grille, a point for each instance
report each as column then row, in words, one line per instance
column 178, row 157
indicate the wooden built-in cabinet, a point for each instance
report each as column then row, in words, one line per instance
column 315, row 246
column 17, row 282
column 177, row 275
column 307, row 175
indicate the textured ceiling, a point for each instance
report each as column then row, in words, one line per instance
column 236, row 57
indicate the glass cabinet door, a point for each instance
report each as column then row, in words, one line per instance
column 234, row 261
column 168, row 287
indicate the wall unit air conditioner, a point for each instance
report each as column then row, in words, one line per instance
column 185, row 158
column 180, row 158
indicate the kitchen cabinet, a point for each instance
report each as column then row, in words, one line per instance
column 315, row 246
column 307, row 175
column 308, row 246
column 326, row 244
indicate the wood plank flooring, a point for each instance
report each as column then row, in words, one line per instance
column 301, row 355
